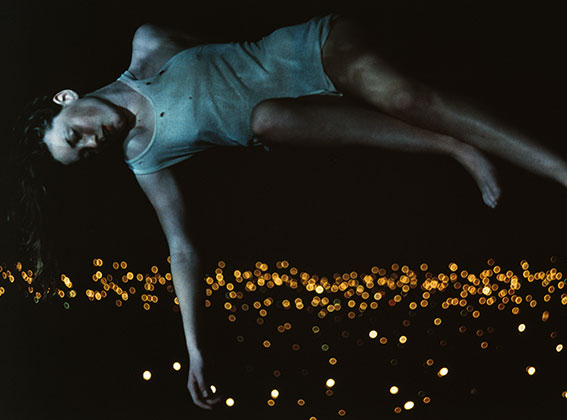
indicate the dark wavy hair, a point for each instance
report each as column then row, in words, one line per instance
column 32, row 163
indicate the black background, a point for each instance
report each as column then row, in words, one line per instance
column 332, row 210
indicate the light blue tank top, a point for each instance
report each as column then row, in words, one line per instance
column 203, row 97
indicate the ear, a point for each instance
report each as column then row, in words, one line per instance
column 65, row 97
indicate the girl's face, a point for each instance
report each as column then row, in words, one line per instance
column 85, row 127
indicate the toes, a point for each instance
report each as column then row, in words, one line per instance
column 489, row 199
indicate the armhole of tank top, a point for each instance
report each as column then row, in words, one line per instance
column 163, row 67
column 129, row 75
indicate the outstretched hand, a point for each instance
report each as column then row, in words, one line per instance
column 202, row 392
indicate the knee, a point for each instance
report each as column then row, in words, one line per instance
column 269, row 117
column 410, row 100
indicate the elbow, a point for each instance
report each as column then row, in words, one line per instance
column 178, row 253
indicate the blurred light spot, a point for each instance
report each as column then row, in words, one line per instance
column 442, row 372
column 275, row 393
column 545, row 316
column 394, row 390
column 330, row 383
column 177, row 366
column 147, row 375
column 530, row 370
column 229, row 402
column 373, row 334
column 409, row 405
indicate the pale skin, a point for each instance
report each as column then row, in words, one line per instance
column 383, row 108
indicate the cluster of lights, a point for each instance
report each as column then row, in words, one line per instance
column 356, row 294
column 352, row 293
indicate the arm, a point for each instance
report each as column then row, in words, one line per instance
column 163, row 192
column 153, row 45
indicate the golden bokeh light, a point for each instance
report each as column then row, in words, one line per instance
column 475, row 296
column 531, row 370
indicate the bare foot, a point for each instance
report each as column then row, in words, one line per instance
column 482, row 171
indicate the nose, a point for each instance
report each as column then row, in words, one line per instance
column 91, row 141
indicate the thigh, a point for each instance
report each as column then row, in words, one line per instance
column 354, row 66
column 325, row 100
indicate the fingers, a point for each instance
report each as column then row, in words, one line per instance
column 206, row 392
column 202, row 396
column 196, row 394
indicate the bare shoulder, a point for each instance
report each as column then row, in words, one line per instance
column 153, row 45
column 146, row 35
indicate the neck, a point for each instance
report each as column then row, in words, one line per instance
column 122, row 98
column 119, row 95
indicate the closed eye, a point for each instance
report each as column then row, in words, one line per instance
column 73, row 139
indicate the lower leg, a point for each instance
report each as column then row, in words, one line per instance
column 356, row 69
column 333, row 122
column 446, row 114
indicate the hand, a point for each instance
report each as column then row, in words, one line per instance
column 198, row 384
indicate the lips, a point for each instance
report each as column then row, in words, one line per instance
column 106, row 131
